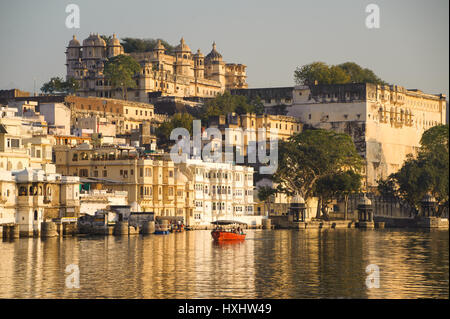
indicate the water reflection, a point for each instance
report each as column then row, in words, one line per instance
column 268, row 264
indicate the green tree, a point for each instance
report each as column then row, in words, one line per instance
column 71, row 86
column 265, row 194
column 358, row 74
column 144, row 45
column 58, row 85
column 120, row 70
column 310, row 73
column 311, row 155
column 348, row 72
column 226, row 103
column 184, row 120
column 426, row 173
column 55, row 85
column 335, row 186
column 338, row 75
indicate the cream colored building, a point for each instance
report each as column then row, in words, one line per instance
column 23, row 141
column 30, row 196
column 385, row 122
column 181, row 73
column 245, row 128
column 152, row 183
column 124, row 115
column 222, row 191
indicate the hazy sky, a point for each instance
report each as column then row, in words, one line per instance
column 411, row 47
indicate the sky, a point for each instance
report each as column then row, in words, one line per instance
column 410, row 48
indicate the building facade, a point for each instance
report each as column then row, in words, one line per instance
column 220, row 190
column 179, row 73
column 385, row 122
column 30, row 196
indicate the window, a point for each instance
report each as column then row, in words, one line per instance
column 105, row 173
column 84, row 172
column 13, row 142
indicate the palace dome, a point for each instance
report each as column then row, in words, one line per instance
column 182, row 47
column 365, row 201
column 98, row 41
column 159, row 46
column 198, row 54
column 213, row 55
column 74, row 42
column 114, row 42
column 89, row 41
column 298, row 199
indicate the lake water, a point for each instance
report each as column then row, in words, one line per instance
column 268, row 264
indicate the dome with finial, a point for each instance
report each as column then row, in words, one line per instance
column 74, row 42
column 159, row 46
column 198, row 54
column 214, row 55
column 98, row 41
column 182, row 47
column 89, row 41
column 114, row 41
column 298, row 199
column 365, row 201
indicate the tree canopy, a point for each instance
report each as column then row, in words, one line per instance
column 313, row 154
column 427, row 173
column 58, row 85
column 348, row 72
column 184, row 120
column 144, row 45
column 226, row 103
column 120, row 70
column 313, row 158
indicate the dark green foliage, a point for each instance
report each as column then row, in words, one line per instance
column 226, row 103
column 58, row 85
column 428, row 173
column 348, row 72
column 177, row 120
column 144, row 45
column 120, row 71
column 314, row 155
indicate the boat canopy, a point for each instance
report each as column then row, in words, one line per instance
column 227, row 222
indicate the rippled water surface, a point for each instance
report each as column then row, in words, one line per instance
column 269, row 264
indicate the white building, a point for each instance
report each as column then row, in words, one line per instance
column 221, row 190
column 385, row 122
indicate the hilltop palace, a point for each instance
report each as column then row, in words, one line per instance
column 179, row 74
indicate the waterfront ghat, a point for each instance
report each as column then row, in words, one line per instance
column 312, row 263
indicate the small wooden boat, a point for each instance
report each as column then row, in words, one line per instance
column 161, row 232
column 233, row 232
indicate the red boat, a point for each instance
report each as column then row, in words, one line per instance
column 234, row 234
